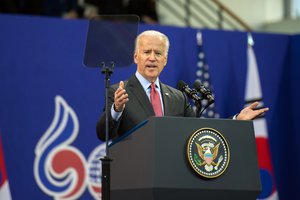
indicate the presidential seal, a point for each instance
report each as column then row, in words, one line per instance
column 208, row 153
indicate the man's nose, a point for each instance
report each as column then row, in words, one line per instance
column 152, row 56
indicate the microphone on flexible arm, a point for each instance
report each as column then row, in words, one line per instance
column 205, row 92
column 192, row 93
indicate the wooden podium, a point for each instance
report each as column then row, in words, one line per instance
column 151, row 162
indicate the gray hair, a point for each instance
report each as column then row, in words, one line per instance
column 153, row 33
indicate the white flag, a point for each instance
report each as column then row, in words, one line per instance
column 253, row 93
column 4, row 186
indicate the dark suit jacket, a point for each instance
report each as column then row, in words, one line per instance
column 139, row 108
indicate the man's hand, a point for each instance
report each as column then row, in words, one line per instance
column 120, row 98
column 249, row 112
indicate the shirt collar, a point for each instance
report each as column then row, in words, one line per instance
column 144, row 82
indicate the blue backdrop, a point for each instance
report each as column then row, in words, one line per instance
column 50, row 102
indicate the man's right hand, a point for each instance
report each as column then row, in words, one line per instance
column 120, row 98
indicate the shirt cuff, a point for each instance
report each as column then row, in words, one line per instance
column 114, row 114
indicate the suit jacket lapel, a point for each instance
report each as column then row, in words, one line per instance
column 138, row 91
column 167, row 99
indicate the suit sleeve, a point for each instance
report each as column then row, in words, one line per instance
column 113, row 125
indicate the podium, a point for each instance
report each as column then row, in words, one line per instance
column 151, row 163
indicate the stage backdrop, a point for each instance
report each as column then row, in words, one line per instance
column 50, row 102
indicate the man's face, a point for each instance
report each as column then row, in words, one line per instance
column 150, row 56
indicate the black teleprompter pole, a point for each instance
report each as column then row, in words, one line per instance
column 106, row 160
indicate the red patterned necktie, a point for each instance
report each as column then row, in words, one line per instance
column 155, row 100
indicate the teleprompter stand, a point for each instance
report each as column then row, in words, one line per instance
column 105, row 161
column 110, row 42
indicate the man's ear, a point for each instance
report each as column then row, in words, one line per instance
column 135, row 57
column 166, row 60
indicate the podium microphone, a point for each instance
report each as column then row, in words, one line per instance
column 205, row 92
column 192, row 93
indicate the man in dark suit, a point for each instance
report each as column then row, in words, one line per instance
column 145, row 89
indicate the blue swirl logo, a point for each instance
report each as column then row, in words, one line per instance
column 59, row 168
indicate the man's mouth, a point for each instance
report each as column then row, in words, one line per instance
column 151, row 66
